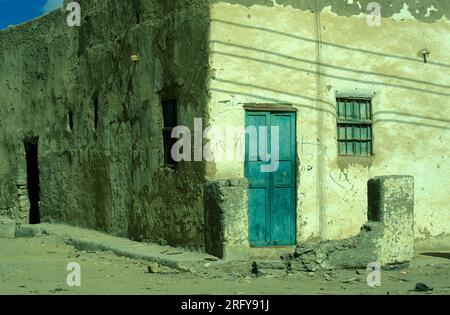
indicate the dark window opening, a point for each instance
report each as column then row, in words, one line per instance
column 31, row 153
column 169, row 108
column 355, row 133
column 137, row 10
column 95, row 112
column 70, row 120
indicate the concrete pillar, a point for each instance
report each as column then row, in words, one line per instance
column 226, row 219
column 391, row 202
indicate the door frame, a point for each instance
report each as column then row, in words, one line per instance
column 275, row 108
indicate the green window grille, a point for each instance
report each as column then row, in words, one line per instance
column 354, row 125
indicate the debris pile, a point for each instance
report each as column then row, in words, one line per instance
column 355, row 252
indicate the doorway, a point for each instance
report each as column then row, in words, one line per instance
column 272, row 195
column 31, row 154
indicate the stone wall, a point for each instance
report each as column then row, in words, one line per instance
column 226, row 219
column 387, row 238
column 391, row 202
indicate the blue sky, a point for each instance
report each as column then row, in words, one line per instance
column 14, row 12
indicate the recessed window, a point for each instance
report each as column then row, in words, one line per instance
column 95, row 111
column 169, row 109
column 70, row 120
column 137, row 9
column 355, row 134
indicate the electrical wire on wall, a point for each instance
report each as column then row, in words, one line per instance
column 320, row 178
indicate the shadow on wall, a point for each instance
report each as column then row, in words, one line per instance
column 229, row 87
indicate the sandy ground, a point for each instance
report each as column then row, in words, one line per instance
column 38, row 266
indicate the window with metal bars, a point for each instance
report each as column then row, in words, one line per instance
column 169, row 109
column 354, row 124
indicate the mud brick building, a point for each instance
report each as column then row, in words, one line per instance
column 85, row 131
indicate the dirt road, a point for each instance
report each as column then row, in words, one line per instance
column 38, row 266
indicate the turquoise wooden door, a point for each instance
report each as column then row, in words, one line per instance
column 272, row 195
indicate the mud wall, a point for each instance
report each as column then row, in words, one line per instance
column 99, row 120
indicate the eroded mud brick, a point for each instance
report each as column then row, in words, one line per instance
column 391, row 202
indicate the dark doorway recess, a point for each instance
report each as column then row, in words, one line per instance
column 70, row 118
column 95, row 110
column 31, row 151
